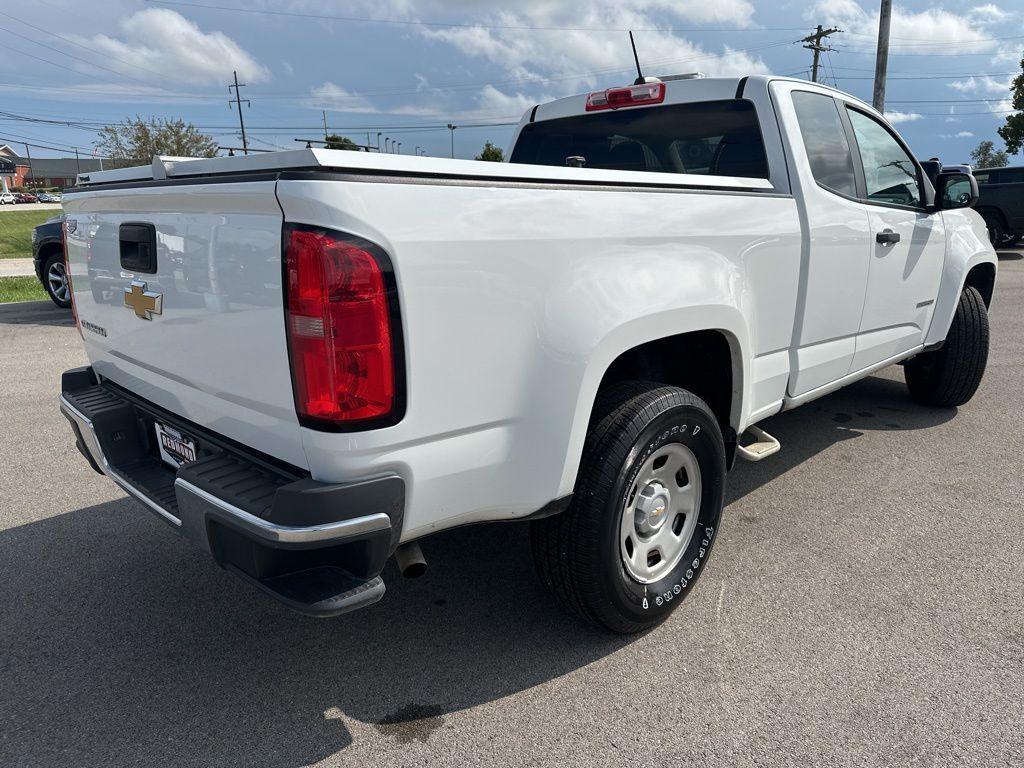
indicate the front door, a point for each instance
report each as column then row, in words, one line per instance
column 908, row 246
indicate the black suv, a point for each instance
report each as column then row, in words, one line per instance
column 1001, row 203
column 48, row 258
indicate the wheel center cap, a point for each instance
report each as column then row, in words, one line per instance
column 652, row 506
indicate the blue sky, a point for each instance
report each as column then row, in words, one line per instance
column 409, row 67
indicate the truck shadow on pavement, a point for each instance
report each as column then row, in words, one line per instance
column 35, row 313
column 871, row 404
column 122, row 645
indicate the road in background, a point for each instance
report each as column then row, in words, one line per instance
column 17, row 267
column 864, row 606
column 31, row 207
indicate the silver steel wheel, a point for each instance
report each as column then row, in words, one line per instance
column 660, row 513
column 57, row 279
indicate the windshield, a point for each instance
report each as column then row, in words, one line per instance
column 719, row 138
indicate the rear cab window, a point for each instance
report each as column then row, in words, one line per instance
column 717, row 138
column 828, row 150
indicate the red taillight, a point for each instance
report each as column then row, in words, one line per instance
column 634, row 95
column 342, row 343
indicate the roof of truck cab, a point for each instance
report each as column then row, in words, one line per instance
column 676, row 92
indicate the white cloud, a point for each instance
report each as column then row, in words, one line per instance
column 580, row 58
column 159, row 40
column 902, row 117
column 489, row 103
column 982, row 84
column 958, row 135
column 934, row 30
column 334, row 97
column 988, row 13
column 544, row 50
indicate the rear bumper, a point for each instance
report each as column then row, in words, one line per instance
column 317, row 547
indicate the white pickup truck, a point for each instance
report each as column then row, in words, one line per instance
column 308, row 360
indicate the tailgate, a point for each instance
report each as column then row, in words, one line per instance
column 178, row 291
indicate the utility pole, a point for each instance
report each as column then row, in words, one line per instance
column 238, row 103
column 31, row 173
column 324, row 113
column 78, row 162
column 882, row 56
column 452, row 129
column 814, row 44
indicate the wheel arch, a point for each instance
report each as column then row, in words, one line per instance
column 46, row 250
column 708, row 359
column 983, row 277
column 970, row 260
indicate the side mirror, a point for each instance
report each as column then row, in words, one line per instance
column 956, row 190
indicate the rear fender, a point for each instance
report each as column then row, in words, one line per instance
column 723, row 318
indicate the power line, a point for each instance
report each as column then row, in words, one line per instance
column 456, row 25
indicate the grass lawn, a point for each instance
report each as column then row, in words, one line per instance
column 16, row 231
column 21, row 289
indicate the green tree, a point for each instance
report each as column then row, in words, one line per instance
column 1012, row 132
column 986, row 156
column 334, row 141
column 491, row 153
column 137, row 140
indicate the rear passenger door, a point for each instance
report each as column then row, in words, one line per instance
column 907, row 244
column 836, row 250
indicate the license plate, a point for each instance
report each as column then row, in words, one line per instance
column 175, row 448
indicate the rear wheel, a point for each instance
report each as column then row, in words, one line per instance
column 645, row 511
column 950, row 376
column 55, row 281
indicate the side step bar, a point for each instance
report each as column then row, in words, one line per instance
column 764, row 445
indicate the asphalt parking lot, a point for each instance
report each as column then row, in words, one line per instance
column 864, row 606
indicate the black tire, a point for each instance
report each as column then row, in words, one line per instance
column 53, row 266
column 578, row 553
column 1010, row 240
column 950, row 375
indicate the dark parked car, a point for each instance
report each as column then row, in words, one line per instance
column 1001, row 203
column 48, row 258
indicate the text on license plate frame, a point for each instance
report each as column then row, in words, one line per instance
column 175, row 448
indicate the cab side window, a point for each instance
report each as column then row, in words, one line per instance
column 889, row 172
column 828, row 151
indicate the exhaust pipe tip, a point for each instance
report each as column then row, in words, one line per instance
column 410, row 560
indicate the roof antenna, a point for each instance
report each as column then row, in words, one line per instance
column 639, row 75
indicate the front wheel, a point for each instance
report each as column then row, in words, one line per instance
column 645, row 512
column 950, row 375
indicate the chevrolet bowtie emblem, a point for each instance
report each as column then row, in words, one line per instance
column 144, row 303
